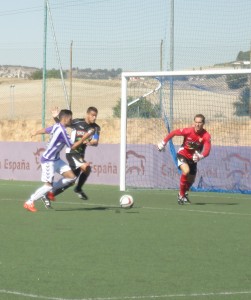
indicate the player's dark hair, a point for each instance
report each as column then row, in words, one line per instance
column 64, row 113
column 200, row 116
column 92, row 108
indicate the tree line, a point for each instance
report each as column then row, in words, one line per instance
column 87, row 73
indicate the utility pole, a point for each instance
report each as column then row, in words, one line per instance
column 44, row 67
column 161, row 55
column 12, row 100
column 172, row 36
column 71, row 74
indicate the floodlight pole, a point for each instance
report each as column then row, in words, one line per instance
column 58, row 56
column 71, row 74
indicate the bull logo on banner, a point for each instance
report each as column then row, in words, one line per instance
column 37, row 156
column 236, row 165
column 135, row 163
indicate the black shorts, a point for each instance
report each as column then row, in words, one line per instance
column 75, row 160
column 192, row 165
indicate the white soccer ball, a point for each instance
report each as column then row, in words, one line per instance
column 126, row 201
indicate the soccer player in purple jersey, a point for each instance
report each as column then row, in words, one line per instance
column 50, row 160
column 76, row 157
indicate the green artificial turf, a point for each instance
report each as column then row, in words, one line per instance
column 96, row 250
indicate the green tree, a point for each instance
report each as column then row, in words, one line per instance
column 243, row 55
column 140, row 109
column 53, row 73
column 242, row 106
column 235, row 81
column 37, row 75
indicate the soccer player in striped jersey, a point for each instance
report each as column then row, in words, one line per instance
column 196, row 146
column 76, row 157
column 50, row 160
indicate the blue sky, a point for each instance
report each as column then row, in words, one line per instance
column 125, row 34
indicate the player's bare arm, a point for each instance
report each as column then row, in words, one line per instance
column 40, row 131
column 82, row 140
column 92, row 142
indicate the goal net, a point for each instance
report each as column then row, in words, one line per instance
column 152, row 104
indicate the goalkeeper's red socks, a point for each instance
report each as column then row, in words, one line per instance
column 189, row 184
column 183, row 185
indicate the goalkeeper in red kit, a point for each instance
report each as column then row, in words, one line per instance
column 196, row 146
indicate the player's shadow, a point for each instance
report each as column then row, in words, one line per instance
column 214, row 203
column 97, row 208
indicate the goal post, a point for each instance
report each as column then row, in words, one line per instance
column 123, row 127
column 149, row 109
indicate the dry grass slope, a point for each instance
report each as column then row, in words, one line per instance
column 21, row 110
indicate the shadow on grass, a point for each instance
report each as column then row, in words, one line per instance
column 214, row 203
column 97, row 208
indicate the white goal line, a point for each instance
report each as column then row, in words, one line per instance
column 212, row 294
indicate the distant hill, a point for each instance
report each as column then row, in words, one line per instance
column 8, row 71
column 243, row 56
column 96, row 73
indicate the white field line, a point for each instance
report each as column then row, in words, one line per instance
column 201, row 195
column 163, row 208
column 179, row 209
column 19, row 185
column 212, row 294
column 172, row 192
column 146, row 207
column 198, row 211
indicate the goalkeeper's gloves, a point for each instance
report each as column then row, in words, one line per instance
column 161, row 146
column 197, row 156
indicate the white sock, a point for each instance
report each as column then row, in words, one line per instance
column 40, row 192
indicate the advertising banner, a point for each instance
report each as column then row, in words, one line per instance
column 21, row 161
column 145, row 166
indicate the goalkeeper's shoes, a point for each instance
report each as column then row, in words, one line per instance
column 30, row 207
column 46, row 201
column 81, row 194
column 181, row 199
column 187, row 198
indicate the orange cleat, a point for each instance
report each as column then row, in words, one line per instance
column 30, row 207
column 50, row 196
